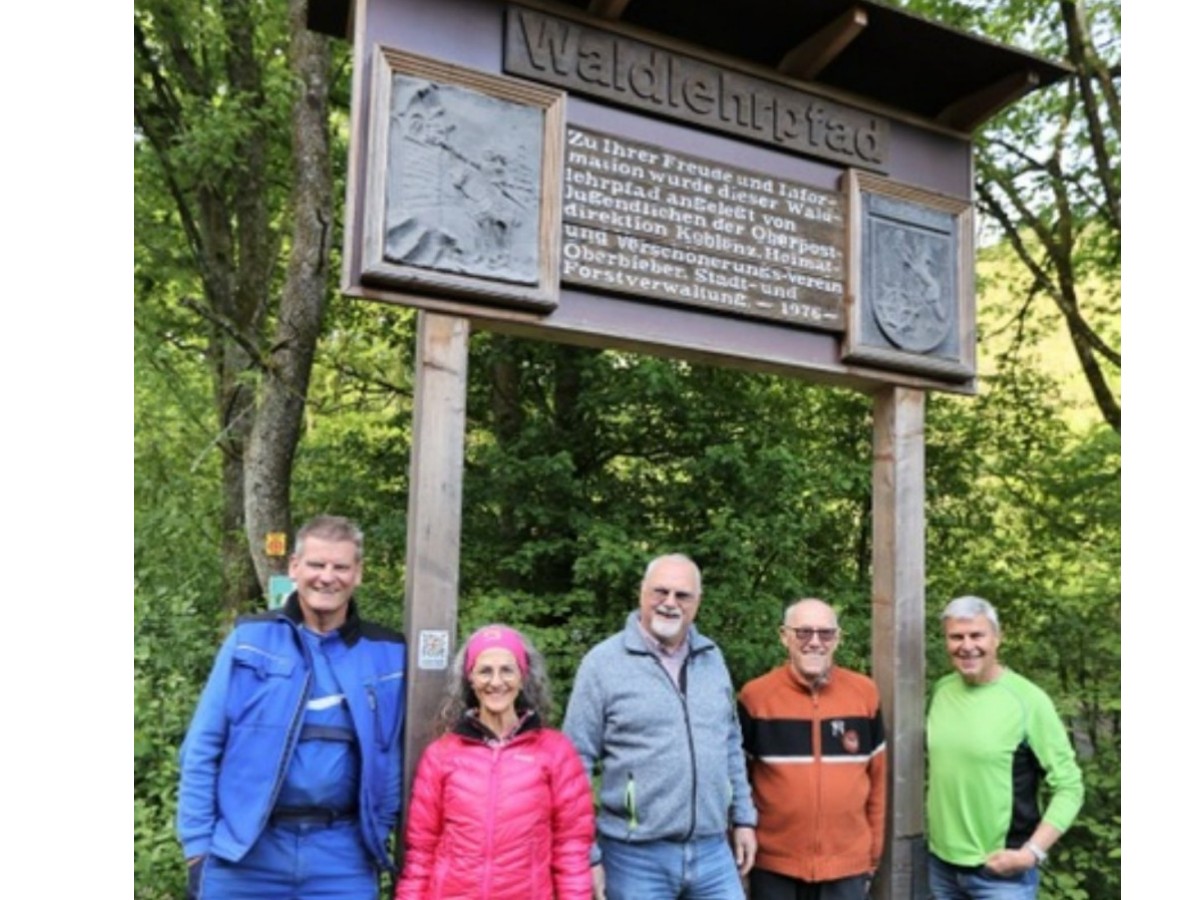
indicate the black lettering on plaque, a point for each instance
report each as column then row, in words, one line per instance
column 462, row 182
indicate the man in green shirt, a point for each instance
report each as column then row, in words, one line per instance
column 993, row 739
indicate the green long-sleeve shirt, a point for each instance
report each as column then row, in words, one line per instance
column 990, row 746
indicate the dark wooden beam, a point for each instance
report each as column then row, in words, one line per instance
column 971, row 111
column 607, row 9
column 806, row 60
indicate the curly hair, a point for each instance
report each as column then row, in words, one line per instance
column 460, row 696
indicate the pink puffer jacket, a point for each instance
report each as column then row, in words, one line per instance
column 499, row 822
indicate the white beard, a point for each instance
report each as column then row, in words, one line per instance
column 665, row 629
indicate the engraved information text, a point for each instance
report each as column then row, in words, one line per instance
column 644, row 220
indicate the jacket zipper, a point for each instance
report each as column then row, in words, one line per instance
column 294, row 728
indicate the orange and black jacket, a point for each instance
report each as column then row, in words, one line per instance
column 818, row 770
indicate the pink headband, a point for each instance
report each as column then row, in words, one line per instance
column 491, row 636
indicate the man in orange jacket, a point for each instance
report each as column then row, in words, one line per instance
column 813, row 732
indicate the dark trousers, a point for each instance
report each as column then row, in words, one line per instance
column 766, row 885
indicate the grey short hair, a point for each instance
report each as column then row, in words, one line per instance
column 674, row 557
column 969, row 607
column 335, row 529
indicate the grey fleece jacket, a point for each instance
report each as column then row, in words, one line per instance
column 671, row 760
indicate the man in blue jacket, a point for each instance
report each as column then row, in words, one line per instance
column 653, row 709
column 290, row 775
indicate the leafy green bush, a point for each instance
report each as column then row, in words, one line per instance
column 173, row 649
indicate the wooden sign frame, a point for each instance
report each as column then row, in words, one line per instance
column 471, row 235
column 911, row 285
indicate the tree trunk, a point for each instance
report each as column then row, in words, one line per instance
column 279, row 416
column 239, row 587
column 217, row 131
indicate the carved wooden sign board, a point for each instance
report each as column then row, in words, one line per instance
column 550, row 173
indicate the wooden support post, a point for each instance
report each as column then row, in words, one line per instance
column 434, row 523
column 898, row 631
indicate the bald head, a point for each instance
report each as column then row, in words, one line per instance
column 809, row 606
column 810, row 635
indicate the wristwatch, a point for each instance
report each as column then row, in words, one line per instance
column 1039, row 855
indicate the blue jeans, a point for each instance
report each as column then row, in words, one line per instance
column 298, row 862
column 700, row 869
column 950, row 882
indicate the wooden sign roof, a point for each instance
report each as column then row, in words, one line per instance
column 862, row 48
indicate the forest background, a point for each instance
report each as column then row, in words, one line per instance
column 261, row 393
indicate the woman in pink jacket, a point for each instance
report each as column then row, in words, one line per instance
column 500, row 808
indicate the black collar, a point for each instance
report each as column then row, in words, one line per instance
column 470, row 727
column 349, row 631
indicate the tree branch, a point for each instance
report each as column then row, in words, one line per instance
column 228, row 328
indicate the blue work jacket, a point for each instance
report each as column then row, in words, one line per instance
column 238, row 748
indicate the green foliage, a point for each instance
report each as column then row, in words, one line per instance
column 173, row 649
column 176, row 606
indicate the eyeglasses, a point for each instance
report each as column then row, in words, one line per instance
column 661, row 593
column 485, row 674
column 804, row 635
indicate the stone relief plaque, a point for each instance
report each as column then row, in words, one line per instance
column 464, row 183
column 911, row 291
column 461, row 192
column 643, row 220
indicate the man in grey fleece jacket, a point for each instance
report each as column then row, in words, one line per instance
column 654, row 711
